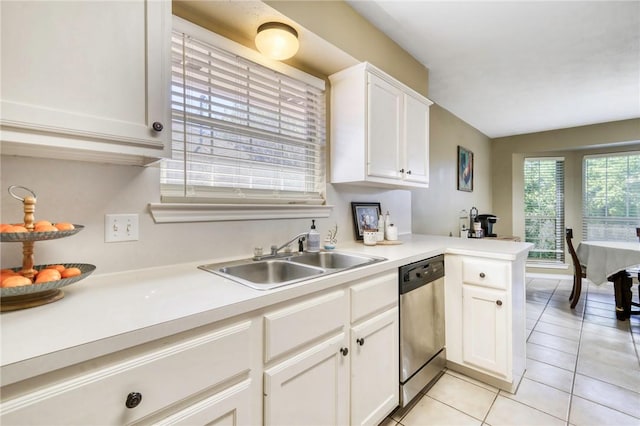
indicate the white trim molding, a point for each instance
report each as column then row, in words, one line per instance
column 182, row 213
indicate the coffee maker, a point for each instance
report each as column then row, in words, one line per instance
column 486, row 222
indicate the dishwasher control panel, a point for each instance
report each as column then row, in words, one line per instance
column 423, row 271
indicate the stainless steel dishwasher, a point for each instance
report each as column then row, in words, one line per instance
column 422, row 334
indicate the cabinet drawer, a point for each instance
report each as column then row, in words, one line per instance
column 486, row 273
column 162, row 377
column 374, row 295
column 302, row 323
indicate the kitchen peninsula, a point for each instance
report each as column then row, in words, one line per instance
column 167, row 325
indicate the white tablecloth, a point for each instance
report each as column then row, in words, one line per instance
column 604, row 258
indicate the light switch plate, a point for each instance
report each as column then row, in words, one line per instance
column 120, row 227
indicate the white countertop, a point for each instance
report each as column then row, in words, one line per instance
column 106, row 313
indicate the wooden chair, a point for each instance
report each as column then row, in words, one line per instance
column 579, row 271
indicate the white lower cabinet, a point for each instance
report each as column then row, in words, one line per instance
column 330, row 358
column 337, row 362
column 485, row 318
column 230, row 407
column 484, row 329
column 197, row 378
column 309, row 388
column 374, row 368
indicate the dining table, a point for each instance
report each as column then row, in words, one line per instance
column 609, row 261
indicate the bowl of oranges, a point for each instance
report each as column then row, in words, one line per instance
column 47, row 277
column 42, row 230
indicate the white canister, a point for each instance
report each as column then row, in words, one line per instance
column 369, row 237
column 391, row 233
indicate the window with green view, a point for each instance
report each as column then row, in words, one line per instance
column 544, row 208
column 611, row 197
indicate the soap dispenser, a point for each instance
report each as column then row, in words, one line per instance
column 313, row 238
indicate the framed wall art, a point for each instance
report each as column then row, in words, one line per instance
column 465, row 169
column 365, row 216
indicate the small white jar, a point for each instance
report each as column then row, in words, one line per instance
column 369, row 237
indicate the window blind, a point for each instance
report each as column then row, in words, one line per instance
column 611, row 197
column 241, row 132
column 544, row 208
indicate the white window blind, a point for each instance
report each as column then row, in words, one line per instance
column 611, row 197
column 241, row 132
column 544, row 208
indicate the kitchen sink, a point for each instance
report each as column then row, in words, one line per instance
column 333, row 260
column 288, row 269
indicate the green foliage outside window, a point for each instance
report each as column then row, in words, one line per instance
column 544, row 208
column 611, row 197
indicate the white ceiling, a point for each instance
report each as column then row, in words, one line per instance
column 514, row 67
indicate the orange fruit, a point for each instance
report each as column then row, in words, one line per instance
column 59, row 268
column 71, row 272
column 45, row 228
column 15, row 281
column 6, row 274
column 46, row 275
column 42, row 222
column 3, row 226
column 15, row 228
column 64, row 226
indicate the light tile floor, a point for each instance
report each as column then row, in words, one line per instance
column 583, row 368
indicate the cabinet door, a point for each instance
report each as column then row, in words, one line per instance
column 485, row 337
column 309, row 388
column 383, row 128
column 374, row 368
column 86, row 75
column 231, row 407
column 416, row 130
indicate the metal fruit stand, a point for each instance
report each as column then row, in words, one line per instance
column 36, row 294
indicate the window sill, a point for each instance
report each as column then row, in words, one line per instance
column 542, row 265
column 184, row 213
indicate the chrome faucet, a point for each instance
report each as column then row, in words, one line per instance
column 275, row 249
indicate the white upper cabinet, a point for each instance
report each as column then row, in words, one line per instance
column 379, row 130
column 86, row 80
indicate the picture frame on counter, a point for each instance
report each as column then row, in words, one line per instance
column 365, row 216
column 465, row 169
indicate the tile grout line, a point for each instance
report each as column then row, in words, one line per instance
column 566, row 419
column 575, row 367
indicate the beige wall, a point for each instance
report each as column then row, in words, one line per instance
column 340, row 25
column 435, row 210
column 572, row 144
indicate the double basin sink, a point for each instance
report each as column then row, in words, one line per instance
column 288, row 269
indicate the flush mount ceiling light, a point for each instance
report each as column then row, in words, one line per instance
column 277, row 40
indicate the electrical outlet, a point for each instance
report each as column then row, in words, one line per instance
column 120, row 227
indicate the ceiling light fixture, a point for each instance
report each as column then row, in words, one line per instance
column 277, row 40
